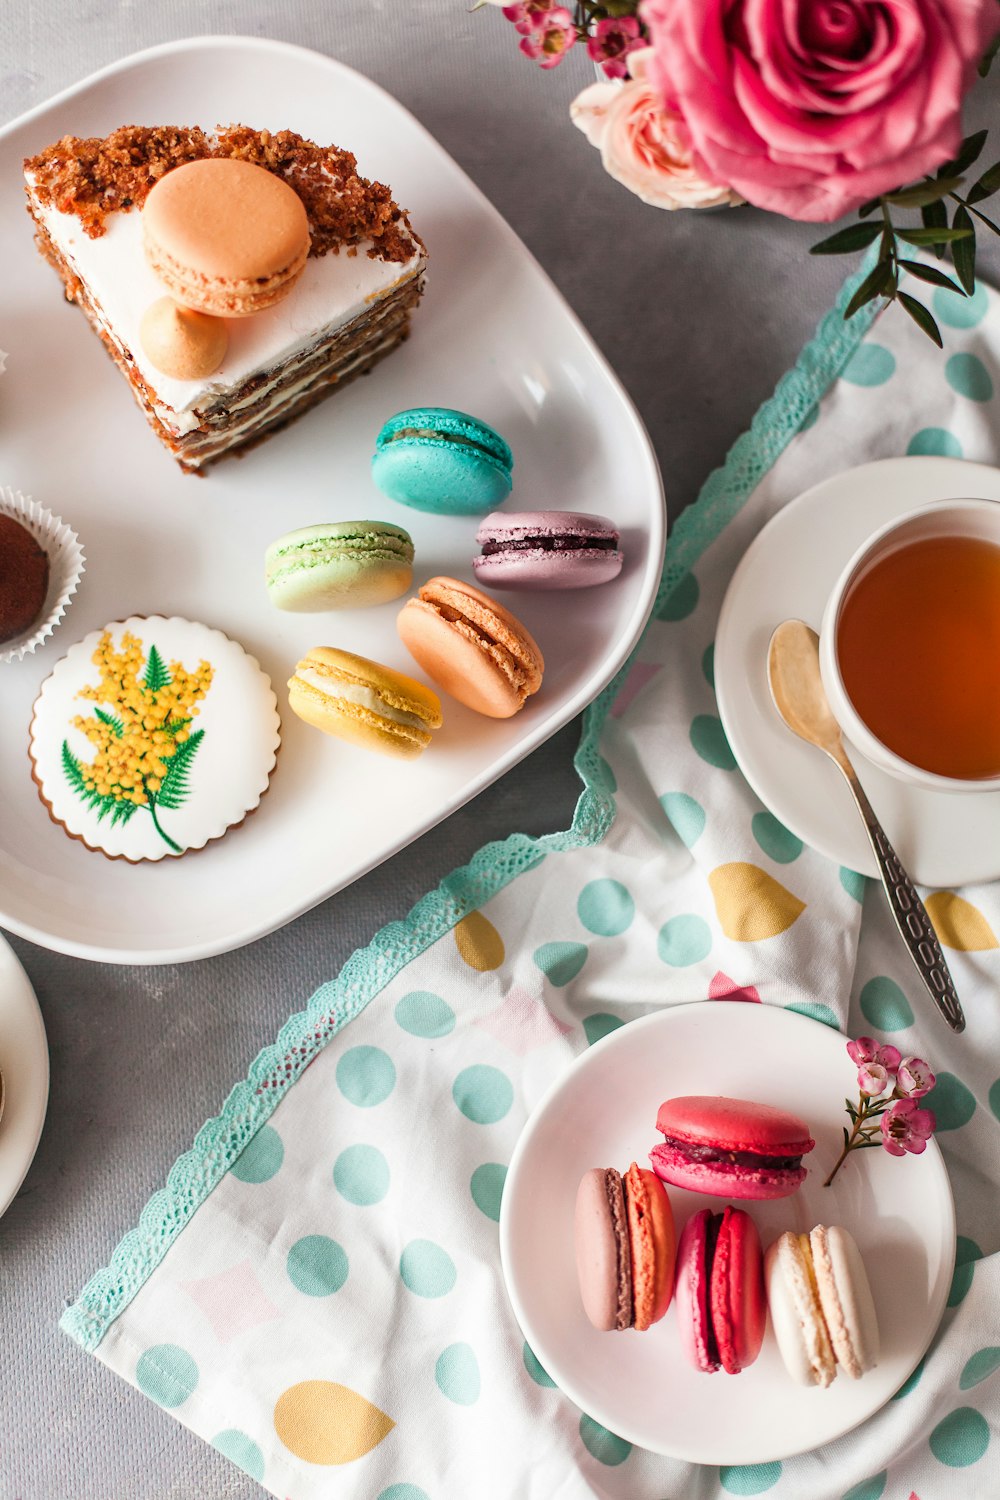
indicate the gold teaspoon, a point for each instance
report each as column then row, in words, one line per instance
column 797, row 689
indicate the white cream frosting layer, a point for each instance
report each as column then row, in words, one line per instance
column 333, row 289
column 355, row 692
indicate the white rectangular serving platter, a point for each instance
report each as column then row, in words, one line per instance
column 492, row 336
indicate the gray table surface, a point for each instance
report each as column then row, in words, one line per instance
column 699, row 316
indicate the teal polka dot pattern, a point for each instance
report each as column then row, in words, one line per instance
column 749, row 1479
column 605, row 908
column 457, row 1375
column 816, row 1011
column 167, row 1374
column 979, row 1368
column 961, row 1438
column 539, row 1376
column 424, row 1014
column 967, row 1252
column 968, row 376
column 602, row 1444
column 709, row 741
column 994, row 1097
column 403, row 1492
column 599, row 1025
column 261, row 1158
column 853, row 883
column 240, row 1450
column 366, row 1076
column 361, row 1175
column 777, row 841
column 868, row 1489
column 911, row 1382
column 708, row 665
column 934, row 442
column 426, row 1269
column 953, row 1104
column 687, row 816
column 684, row 940
column 317, row 1266
column 961, row 312
column 682, row 599
column 486, row 1187
column 884, row 1005
column 869, row 365
column 483, row 1093
column 560, row 962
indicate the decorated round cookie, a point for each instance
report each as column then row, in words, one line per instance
column 152, row 737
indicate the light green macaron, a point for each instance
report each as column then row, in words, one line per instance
column 339, row 565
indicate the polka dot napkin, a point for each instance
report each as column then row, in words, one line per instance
column 317, row 1293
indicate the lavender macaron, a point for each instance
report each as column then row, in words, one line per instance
column 546, row 549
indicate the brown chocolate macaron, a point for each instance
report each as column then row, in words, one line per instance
column 24, row 578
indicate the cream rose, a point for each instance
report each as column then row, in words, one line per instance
column 643, row 144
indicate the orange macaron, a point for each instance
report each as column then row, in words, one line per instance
column 471, row 647
column 225, row 236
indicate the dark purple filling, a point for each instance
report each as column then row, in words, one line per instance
column 712, row 1228
column 552, row 544
column 694, row 1152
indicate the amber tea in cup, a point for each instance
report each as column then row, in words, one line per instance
column 918, row 648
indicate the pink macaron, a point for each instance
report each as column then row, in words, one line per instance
column 719, row 1294
column 547, row 549
column 731, row 1148
column 623, row 1234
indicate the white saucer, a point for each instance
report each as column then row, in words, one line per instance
column 24, row 1061
column 602, row 1113
column 943, row 839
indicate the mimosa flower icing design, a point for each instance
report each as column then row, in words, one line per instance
column 141, row 732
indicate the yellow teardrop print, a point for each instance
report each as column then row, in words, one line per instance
column 322, row 1422
column 479, row 943
column 959, row 924
column 750, row 904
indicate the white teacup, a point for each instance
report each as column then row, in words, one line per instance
column 961, row 517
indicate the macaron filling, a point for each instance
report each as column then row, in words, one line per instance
column 436, row 435
column 315, row 551
column 712, row 1226
column 619, row 1223
column 551, row 544
column 720, row 1156
column 357, row 693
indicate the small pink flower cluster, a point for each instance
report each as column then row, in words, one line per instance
column 547, row 29
column 890, row 1086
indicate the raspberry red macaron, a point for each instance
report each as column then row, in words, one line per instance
column 730, row 1148
column 719, row 1296
column 547, row 549
column 623, row 1231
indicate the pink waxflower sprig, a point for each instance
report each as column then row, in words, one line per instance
column 887, row 1113
column 548, row 29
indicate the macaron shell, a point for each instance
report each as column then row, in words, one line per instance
column 798, row 1323
column 736, row 1293
column 473, row 648
column 691, row 1293
column 343, row 566
column 652, row 1241
column 443, row 461
column 734, row 1125
column 602, row 1251
column 845, row 1299
column 758, row 1184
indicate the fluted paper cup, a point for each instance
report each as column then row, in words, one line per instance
column 66, row 564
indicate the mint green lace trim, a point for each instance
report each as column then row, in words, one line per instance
column 220, row 1140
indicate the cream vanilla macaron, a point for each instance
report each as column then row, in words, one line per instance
column 364, row 703
column 821, row 1305
column 225, row 237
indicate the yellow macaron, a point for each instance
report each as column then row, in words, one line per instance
column 362, row 702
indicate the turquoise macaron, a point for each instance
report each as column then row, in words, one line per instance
column 338, row 565
column 443, row 461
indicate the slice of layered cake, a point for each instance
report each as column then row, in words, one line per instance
column 235, row 278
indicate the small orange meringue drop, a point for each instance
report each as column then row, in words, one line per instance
column 183, row 344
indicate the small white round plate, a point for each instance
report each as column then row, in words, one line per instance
column 24, row 1062
column 602, row 1113
column 943, row 839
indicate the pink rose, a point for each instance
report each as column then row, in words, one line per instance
column 644, row 145
column 810, row 107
